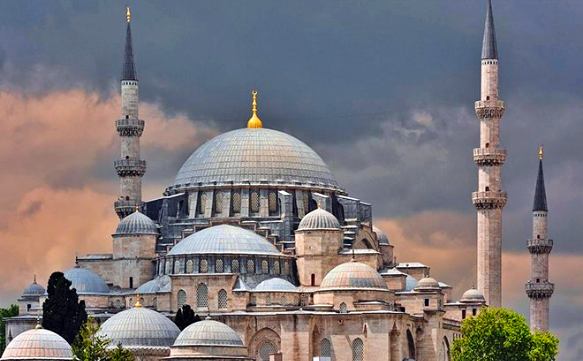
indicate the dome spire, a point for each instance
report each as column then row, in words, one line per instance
column 540, row 195
column 129, row 68
column 254, row 121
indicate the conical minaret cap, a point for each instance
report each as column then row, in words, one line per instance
column 129, row 68
column 540, row 195
column 489, row 48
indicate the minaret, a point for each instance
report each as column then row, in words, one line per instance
column 539, row 289
column 130, row 168
column 489, row 157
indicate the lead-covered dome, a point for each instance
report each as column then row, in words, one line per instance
column 255, row 155
column 319, row 219
column 353, row 275
column 86, row 281
column 38, row 344
column 224, row 239
column 427, row 284
column 209, row 333
column 139, row 327
column 33, row 290
column 473, row 296
column 275, row 284
column 136, row 224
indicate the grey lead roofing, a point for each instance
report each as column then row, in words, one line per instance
column 540, row 195
column 489, row 48
column 129, row 69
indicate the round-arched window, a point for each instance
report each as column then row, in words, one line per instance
column 177, row 269
column 189, row 266
column 264, row 266
column 235, row 266
column 222, row 300
column 276, row 267
column 250, row 266
column 204, row 266
column 265, row 350
column 343, row 308
column 181, row 298
column 325, row 348
column 219, row 266
column 202, row 298
column 357, row 350
column 254, row 202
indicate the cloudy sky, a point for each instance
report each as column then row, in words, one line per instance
column 383, row 90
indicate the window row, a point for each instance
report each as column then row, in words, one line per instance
column 202, row 299
column 235, row 265
column 254, row 200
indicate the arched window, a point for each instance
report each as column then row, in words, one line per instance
column 189, row 266
column 325, row 348
column 265, row 350
column 276, row 267
column 357, row 350
column 236, row 202
column 235, row 266
column 218, row 202
column 410, row 345
column 272, row 202
column 219, row 266
column 160, row 268
column 222, row 300
column 204, row 266
column 202, row 203
column 250, row 266
column 177, row 269
column 343, row 308
column 254, row 202
column 285, row 268
column 168, row 267
column 264, row 267
column 202, row 297
column 181, row 298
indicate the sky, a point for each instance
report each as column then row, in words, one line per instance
column 382, row 90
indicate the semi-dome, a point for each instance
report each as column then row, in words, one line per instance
column 381, row 235
column 224, row 239
column 353, row 275
column 427, row 283
column 139, row 327
column 86, row 281
column 473, row 296
column 275, row 284
column 318, row 219
column 256, row 155
column 136, row 224
column 33, row 290
column 209, row 333
column 158, row 284
column 38, row 344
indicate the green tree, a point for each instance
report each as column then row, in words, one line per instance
column 5, row 313
column 89, row 345
column 63, row 313
column 498, row 334
column 120, row 354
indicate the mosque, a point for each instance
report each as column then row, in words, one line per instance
column 260, row 239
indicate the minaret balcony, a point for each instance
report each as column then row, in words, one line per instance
column 539, row 290
column 539, row 246
column 489, row 109
column 124, row 208
column 130, row 127
column 130, row 167
column 489, row 156
column 489, row 199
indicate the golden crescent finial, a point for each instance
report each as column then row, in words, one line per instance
column 128, row 14
column 138, row 304
column 254, row 121
column 541, row 152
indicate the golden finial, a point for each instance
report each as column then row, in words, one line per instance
column 128, row 14
column 137, row 208
column 541, row 152
column 254, row 121
column 138, row 304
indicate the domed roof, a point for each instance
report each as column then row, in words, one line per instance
column 209, row 333
column 275, row 284
column 136, row 223
column 473, row 296
column 86, row 281
column 319, row 219
column 158, row 284
column 410, row 283
column 139, row 327
column 427, row 283
column 353, row 275
column 381, row 235
column 33, row 290
column 38, row 344
column 254, row 155
column 224, row 239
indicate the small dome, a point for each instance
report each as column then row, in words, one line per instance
column 353, row 275
column 224, row 239
column 427, row 283
column 209, row 333
column 86, row 281
column 319, row 219
column 38, row 344
column 381, row 236
column 136, row 223
column 275, row 285
column 473, row 296
column 140, row 327
column 410, row 283
column 159, row 284
column 33, row 290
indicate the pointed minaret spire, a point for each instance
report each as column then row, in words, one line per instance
column 129, row 68
column 540, row 195
column 489, row 49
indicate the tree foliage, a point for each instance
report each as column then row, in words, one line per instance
column 63, row 313
column 499, row 334
column 5, row 313
column 185, row 316
column 89, row 345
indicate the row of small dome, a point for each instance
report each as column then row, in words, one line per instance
column 135, row 329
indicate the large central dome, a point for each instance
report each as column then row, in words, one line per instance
column 255, row 155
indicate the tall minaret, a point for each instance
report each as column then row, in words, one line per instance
column 130, row 168
column 539, row 289
column 489, row 199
